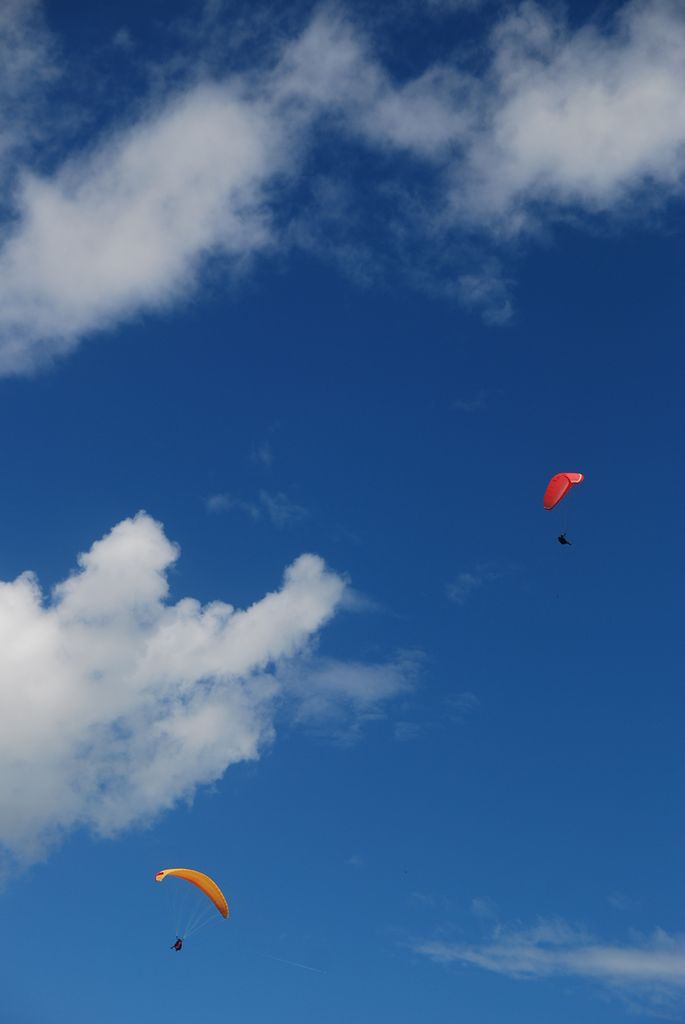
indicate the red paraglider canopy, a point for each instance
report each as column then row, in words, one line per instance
column 559, row 485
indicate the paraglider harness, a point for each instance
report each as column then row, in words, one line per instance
column 178, row 945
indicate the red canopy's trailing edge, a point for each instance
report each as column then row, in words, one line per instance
column 559, row 485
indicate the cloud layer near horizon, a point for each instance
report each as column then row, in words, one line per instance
column 560, row 122
column 650, row 969
column 115, row 703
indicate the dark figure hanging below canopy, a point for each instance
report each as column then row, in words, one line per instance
column 562, row 539
column 178, row 945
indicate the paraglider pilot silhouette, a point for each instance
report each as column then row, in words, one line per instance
column 178, row 945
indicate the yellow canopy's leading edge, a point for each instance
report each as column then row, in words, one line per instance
column 203, row 882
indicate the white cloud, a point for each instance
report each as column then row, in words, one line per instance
column 559, row 122
column 331, row 71
column 583, row 118
column 121, row 230
column 652, row 967
column 116, row 703
column 580, row 119
column 572, row 116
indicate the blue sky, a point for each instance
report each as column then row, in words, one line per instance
column 300, row 312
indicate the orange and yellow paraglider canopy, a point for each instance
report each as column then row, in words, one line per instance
column 204, row 883
column 559, row 486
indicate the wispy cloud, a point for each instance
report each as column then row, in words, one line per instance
column 466, row 583
column 116, row 703
column 483, row 908
column 225, row 502
column 489, row 292
column 651, row 968
column 280, row 509
column 460, row 705
column 122, row 39
column 263, row 454
column 405, row 732
column 28, row 63
column 337, row 698
column 274, row 506
column 619, row 901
